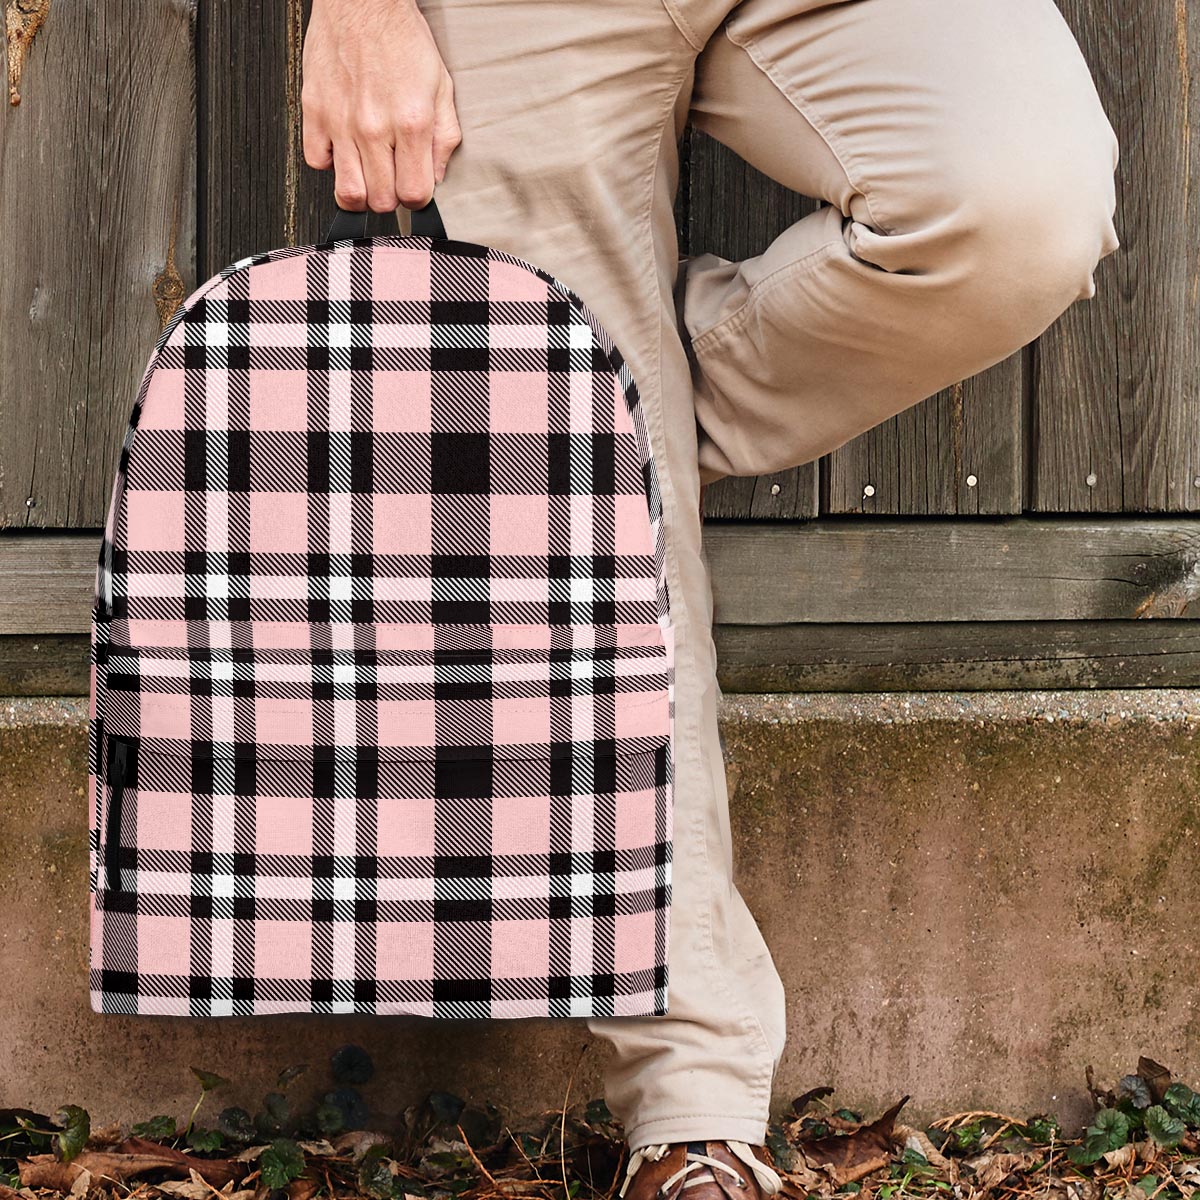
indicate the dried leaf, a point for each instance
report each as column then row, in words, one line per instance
column 847, row 1158
column 1157, row 1077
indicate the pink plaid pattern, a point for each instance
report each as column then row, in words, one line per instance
column 382, row 655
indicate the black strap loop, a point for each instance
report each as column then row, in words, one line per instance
column 426, row 222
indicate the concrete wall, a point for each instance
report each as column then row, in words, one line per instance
column 970, row 896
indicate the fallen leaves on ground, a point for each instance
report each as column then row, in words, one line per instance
column 1143, row 1143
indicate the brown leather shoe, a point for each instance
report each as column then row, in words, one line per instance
column 721, row 1170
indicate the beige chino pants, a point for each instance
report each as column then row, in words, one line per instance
column 968, row 170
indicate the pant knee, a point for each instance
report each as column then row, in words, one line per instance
column 1015, row 244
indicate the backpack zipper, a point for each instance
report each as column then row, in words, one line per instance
column 117, row 771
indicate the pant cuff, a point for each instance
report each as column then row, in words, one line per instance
column 697, row 1127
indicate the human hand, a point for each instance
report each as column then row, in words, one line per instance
column 378, row 103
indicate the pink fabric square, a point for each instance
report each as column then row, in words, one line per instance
column 643, row 714
column 400, row 401
column 283, row 825
column 635, row 817
column 283, row 949
column 405, row 827
column 404, row 950
column 521, row 825
column 509, row 282
column 164, row 820
column 399, row 274
column 285, row 279
column 164, row 945
column 281, row 722
column 279, row 400
column 406, row 723
column 154, row 520
column 519, row 401
column 521, row 949
column 519, row 524
column 633, row 941
column 633, row 534
column 519, row 720
column 164, row 401
column 403, row 524
column 278, row 522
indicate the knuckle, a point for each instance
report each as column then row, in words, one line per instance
column 414, row 197
column 350, row 195
column 383, row 202
column 416, row 120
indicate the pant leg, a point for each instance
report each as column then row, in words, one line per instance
column 570, row 112
column 968, row 168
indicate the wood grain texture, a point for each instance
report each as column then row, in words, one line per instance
column 957, row 656
column 44, row 665
column 957, row 453
column 843, row 572
column 97, row 200
column 1117, row 401
column 735, row 211
column 257, row 193
column 807, row 657
column 47, row 583
column 1001, row 569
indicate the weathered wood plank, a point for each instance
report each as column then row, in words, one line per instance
column 47, row 583
column 97, row 203
column 735, row 211
column 257, row 192
column 957, row 656
column 44, row 665
column 950, row 656
column 1008, row 569
column 958, row 452
column 1118, row 381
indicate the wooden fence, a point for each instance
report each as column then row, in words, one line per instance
column 1014, row 530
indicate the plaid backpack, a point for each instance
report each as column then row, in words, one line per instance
column 382, row 657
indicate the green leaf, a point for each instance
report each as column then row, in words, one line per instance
column 206, row 1141
column 1180, row 1101
column 281, row 1162
column 852, row 1188
column 75, row 1126
column 330, row 1118
column 157, row 1129
column 848, row 1114
column 1165, row 1129
column 1136, row 1088
column 1043, row 1129
column 375, row 1172
column 236, row 1125
column 209, row 1080
column 1112, row 1127
column 1148, row 1183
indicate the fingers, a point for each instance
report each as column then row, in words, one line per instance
column 377, row 154
column 414, row 158
column 447, row 134
column 350, row 186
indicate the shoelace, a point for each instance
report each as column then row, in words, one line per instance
column 768, row 1179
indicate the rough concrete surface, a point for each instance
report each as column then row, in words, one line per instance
column 970, row 896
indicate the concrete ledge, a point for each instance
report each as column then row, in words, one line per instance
column 970, row 896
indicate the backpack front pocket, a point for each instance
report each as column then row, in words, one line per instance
column 459, row 834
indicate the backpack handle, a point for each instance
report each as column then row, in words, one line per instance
column 426, row 222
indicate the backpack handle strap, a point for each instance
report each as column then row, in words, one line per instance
column 426, row 222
